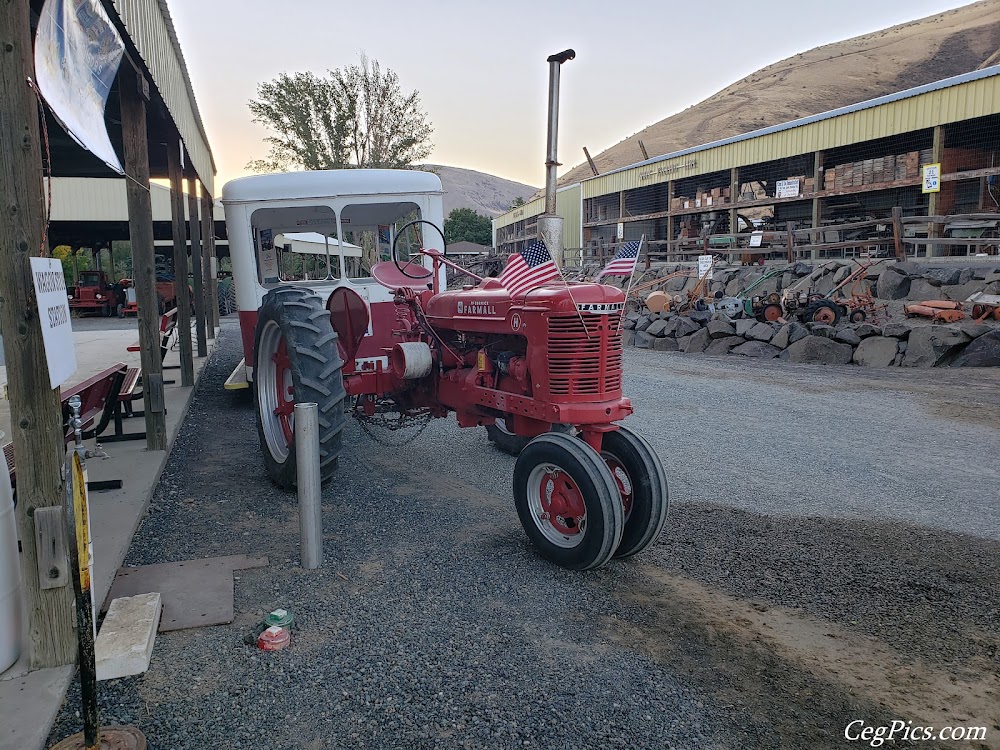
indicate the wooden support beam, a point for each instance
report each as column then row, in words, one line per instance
column 593, row 167
column 897, row 232
column 180, row 260
column 194, row 230
column 734, row 189
column 642, row 148
column 36, row 416
column 817, row 203
column 934, row 199
column 208, row 254
column 134, row 95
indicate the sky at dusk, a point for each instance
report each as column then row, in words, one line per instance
column 480, row 67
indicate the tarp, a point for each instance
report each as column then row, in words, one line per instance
column 77, row 54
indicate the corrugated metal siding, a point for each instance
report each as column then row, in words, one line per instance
column 531, row 208
column 568, row 206
column 87, row 199
column 156, row 42
column 963, row 101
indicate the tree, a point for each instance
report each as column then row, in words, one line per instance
column 354, row 117
column 465, row 224
column 517, row 202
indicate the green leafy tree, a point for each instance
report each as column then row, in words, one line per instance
column 466, row 224
column 517, row 202
column 357, row 116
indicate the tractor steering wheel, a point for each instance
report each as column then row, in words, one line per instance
column 395, row 260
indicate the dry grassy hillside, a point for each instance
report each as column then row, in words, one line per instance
column 822, row 79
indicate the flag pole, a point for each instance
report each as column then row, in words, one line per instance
column 579, row 312
column 631, row 276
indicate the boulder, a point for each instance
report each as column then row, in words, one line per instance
column 867, row 329
column 962, row 292
column 929, row 346
column 761, row 332
column 781, row 338
column 821, row 329
column 943, row 276
column 657, row 328
column 682, row 343
column 846, row 336
column 787, row 279
column 685, row 326
column 700, row 316
column 643, row 340
column 757, row 349
column 909, row 268
column 876, row 351
column 896, row 330
column 628, row 338
column 796, row 332
column 892, row 284
column 629, row 324
column 675, row 285
column 921, row 289
column 734, row 287
column 974, row 330
column 665, row 345
column 965, row 276
column 983, row 352
column 818, row 350
column 841, row 273
column 743, row 325
column 724, row 345
column 718, row 329
column 643, row 323
column 802, row 269
column 698, row 341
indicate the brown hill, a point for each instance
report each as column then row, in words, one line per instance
column 822, row 79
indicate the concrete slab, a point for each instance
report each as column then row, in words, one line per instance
column 196, row 593
column 28, row 706
column 125, row 644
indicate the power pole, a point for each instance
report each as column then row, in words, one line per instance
column 180, row 259
column 36, row 416
column 199, row 292
column 134, row 92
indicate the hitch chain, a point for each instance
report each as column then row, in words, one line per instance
column 387, row 421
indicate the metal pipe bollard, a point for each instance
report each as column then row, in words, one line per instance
column 308, row 484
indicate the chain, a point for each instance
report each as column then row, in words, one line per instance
column 388, row 420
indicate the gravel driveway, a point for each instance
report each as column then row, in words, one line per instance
column 832, row 554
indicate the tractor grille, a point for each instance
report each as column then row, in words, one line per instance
column 582, row 365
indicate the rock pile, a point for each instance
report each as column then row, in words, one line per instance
column 904, row 344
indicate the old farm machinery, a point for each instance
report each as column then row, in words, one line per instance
column 543, row 367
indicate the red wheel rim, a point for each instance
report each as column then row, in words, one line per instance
column 285, row 390
column 556, row 505
column 772, row 312
column 622, row 480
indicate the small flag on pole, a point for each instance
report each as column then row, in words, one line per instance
column 623, row 264
column 529, row 268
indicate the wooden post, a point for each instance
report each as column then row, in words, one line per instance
column 817, row 207
column 734, row 190
column 194, row 224
column 670, row 217
column 180, row 259
column 36, row 416
column 897, row 232
column 934, row 199
column 593, row 167
column 208, row 252
column 134, row 95
column 791, row 242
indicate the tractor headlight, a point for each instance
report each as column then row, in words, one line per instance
column 100, row 296
column 69, row 296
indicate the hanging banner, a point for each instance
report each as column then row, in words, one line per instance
column 77, row 53
column 54, row 319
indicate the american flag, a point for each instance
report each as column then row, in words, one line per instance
column 529, row 268
column 623, row 264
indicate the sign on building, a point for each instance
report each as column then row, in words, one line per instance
column 621, row 230
column 788, row 189
column 705, row 267
column 53, row 317
column 931, row 177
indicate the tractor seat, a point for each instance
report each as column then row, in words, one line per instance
column 388, row 275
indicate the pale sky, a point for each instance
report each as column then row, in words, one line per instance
column 480, row 68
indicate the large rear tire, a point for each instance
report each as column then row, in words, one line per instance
column 296, row 362
column 642, row 485
column 567, row 501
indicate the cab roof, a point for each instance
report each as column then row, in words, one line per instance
column 329, row 184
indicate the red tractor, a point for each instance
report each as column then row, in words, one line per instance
column 95, row 294
column 542, row 370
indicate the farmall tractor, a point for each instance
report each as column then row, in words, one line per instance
column 543, row 369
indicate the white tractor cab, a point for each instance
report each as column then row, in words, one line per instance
column 312, row 229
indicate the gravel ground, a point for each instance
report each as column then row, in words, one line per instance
column 832, row 554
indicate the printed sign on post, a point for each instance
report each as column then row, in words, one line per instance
column 931, row 174
column 53, row 316
column 705, row 267
column 621, row 230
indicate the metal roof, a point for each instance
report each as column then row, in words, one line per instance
column 328, row 184
column 151, row 30
column 868, row 104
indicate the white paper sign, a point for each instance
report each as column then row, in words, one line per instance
column 787, row 189
column 756, row 239
column 53, row 316
column 621, row 230
column 931, row 174
column 705, row 267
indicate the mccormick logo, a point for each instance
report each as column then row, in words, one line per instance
column 601, row 308
column 465, row 308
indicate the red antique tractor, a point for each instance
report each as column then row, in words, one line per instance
column 542, row 370
column 94, row 293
